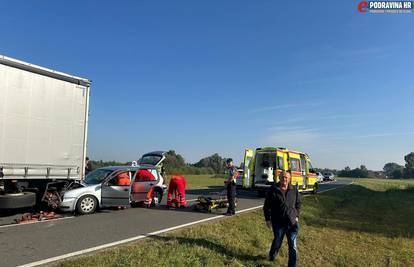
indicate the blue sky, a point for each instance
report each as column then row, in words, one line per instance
column 202, row 77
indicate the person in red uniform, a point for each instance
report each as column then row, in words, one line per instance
column 144, row 175
column 177, row 187
column 122, row 179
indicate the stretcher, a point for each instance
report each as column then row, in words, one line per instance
column 209, row 203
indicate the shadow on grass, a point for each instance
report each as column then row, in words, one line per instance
column 210, row 245
column 358, row 208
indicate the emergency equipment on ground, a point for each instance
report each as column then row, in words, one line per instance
column 208, row 203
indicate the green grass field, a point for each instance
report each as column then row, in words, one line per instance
column 368, row 223
column 202, row 181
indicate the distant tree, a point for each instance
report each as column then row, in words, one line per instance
column 363, row 168
column 215, row 162
column 173, row 162
column 397, row 173
column 346, row 172
column 360, row 172
column 95, row 164
column 393, row 170
column 409, row 165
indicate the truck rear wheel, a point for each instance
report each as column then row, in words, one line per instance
column 17, row 200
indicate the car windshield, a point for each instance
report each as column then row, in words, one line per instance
column 97, row 176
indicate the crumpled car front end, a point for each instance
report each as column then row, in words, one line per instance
column 71, row 197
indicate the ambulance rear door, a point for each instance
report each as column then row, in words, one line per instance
column 248, row 168
column 282, row 164
column 295, row 169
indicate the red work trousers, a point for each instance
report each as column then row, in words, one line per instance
column 177, row 188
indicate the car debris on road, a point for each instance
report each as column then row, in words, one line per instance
column 37, row 217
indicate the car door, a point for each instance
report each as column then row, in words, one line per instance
column 113, row 194
column 248, row 168
column 141, row 187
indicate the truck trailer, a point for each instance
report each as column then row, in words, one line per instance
column 43, row 132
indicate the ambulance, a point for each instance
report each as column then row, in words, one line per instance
column 263, row 166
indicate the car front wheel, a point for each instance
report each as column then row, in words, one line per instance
column 86, row 204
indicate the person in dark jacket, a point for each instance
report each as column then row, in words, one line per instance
column 281, row 212
column 231, row 187
column 88, row 167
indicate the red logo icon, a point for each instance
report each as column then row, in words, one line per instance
column 362, row 5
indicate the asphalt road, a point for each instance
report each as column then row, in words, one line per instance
column 23, row 244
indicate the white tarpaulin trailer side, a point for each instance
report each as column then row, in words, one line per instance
column 43, row 122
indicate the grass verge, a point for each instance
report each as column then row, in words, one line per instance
column 201, row 181
column 368, row 223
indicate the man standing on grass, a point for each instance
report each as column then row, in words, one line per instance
column 281, row 212
column 231, row 187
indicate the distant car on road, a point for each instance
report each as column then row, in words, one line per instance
column 328, row 176
column 116, row 186
column 320, row 177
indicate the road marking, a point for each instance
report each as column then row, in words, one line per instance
column 189, row 200
column 329, row 189
column 20, row 224
column 128, row 240
column 135, row 238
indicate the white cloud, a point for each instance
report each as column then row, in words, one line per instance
column 292, row 138
column 373, row 135
column 285, row 106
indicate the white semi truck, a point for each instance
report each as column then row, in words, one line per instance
column 43, row 133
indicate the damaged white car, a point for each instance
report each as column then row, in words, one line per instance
column 118, row 186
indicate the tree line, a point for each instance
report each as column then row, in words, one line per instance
column 394, row 170
column 175, row 163
column 391, row 170
column 215, row 164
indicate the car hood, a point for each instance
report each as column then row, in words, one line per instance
column 74, row 193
